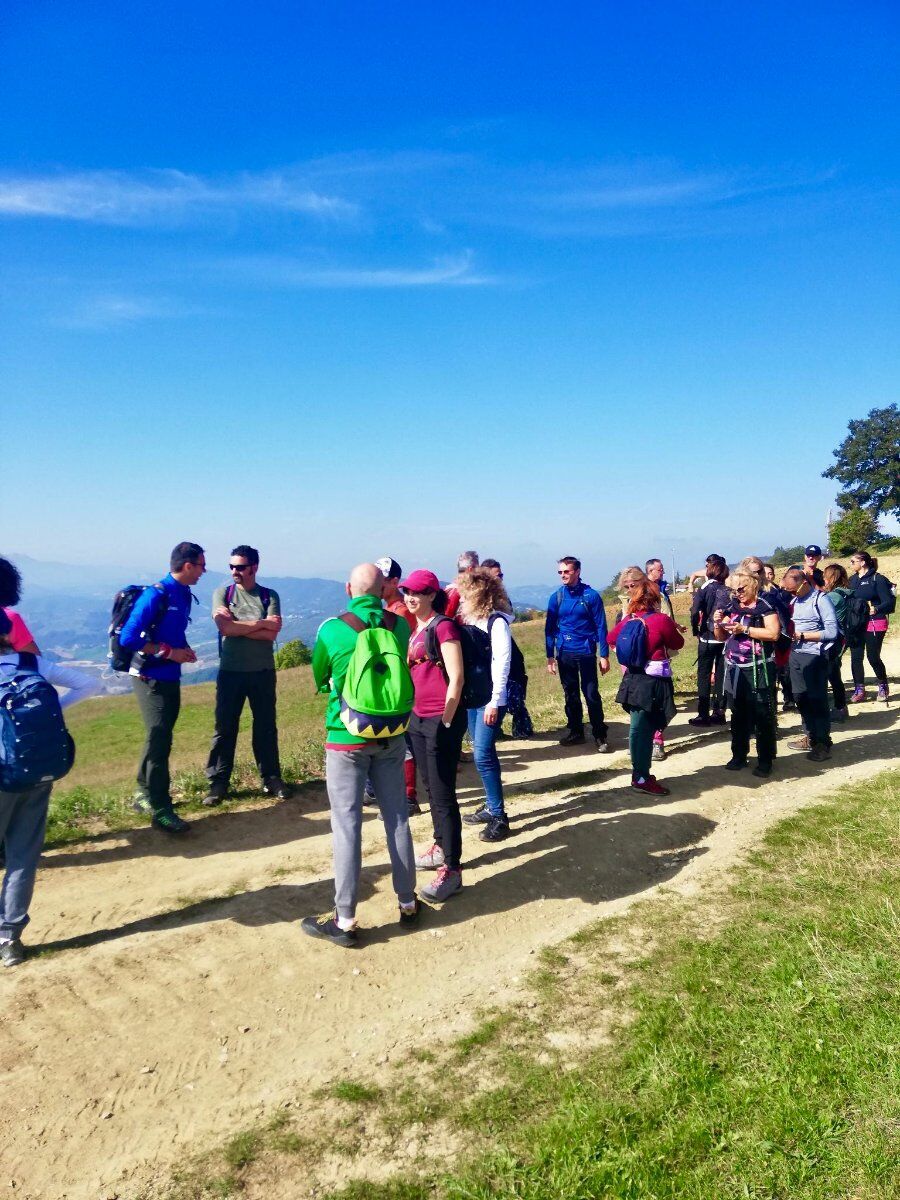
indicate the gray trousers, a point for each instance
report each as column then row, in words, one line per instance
column 23, row 819
column 346, row 772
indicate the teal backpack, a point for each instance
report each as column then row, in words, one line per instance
column 377, row 697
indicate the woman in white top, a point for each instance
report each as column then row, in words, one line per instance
column 484, row 617
column 23, row 814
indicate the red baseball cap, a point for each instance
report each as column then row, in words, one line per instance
column 420, row 581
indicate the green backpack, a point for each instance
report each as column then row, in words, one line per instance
column 377, row 698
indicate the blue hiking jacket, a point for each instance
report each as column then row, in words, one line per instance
column 172, row 629
column 576, row 622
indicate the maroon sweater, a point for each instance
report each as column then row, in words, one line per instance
column 662, row 634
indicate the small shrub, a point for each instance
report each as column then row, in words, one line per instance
column 292, row 654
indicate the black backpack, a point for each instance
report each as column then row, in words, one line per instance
column 517, row 672
column 477, row 655
column 120, row 659
column 856, row 619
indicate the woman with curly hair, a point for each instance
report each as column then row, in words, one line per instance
column 647, row 693
column 484, row 617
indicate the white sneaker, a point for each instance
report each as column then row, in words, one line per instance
column 431, row 859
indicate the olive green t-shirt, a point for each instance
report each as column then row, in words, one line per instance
column 242, row 653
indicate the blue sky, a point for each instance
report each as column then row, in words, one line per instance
column 344, row 280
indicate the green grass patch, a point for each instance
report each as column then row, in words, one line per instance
column 243, row 1149
column 483, row 1035
column 762, row 1061
column 354, row 1092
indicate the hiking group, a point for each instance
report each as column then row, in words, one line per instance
column 410, row 669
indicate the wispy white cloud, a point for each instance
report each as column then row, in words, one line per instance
column 110, row 311
column 286, row 272
column 642, row 186
column 148, row 197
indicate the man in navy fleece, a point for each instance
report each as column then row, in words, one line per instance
column 575, row 631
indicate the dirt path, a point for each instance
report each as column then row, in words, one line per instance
column 182, row 1002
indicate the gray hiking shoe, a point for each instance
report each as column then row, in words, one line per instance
column 139, row 803
column 12, row 953
column 431, row 859
column 445, row 884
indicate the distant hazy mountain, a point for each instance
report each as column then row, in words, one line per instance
column 67, row 608
column 532, row 595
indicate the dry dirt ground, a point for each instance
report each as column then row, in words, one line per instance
column 181, row 1002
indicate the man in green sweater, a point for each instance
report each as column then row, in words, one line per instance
column 350, row 760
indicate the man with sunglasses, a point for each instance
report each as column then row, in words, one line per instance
column 574, row 632
column 248, row 618
column 164, row 611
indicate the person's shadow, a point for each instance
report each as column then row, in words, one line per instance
column 216, row 832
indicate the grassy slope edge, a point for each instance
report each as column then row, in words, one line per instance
column 749, row 1049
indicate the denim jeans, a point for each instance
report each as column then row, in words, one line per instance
column 484, row 745
column 23, row 818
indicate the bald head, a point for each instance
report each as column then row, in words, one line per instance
column 365, row 580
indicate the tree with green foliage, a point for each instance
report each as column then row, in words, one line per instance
column 786, row 556
column 868, row 463
column 292, row 654
column 854, row 529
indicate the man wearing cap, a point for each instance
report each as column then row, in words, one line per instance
column 350, row 760
column 392, row 597
column 812, row 556
column 393, row 601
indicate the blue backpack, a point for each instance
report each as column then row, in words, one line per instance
column 35, row 746
column 631, row 644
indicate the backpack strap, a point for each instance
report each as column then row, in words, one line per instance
column 431, row 644
column 388, row 622
column 353, row 621
column 28, row 662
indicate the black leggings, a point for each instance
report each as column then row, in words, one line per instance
column 837, row 683
column 436, row 751
column 872, row 648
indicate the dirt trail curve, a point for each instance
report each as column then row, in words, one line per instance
column 182, row 1000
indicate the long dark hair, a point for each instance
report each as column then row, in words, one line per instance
column 871, row 564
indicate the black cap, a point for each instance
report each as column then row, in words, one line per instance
column 389, row 567
column 813, row 550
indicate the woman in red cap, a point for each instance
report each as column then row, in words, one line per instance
column 437, row 725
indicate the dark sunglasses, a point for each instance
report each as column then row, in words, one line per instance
column 240, row 567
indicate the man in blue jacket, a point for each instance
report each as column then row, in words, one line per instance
column 575, row 631
column 156, row 632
